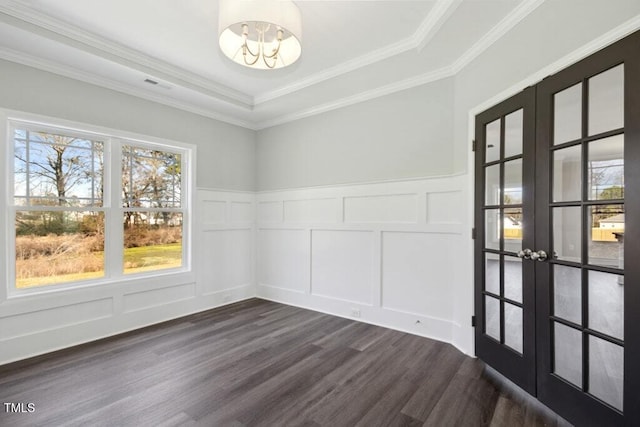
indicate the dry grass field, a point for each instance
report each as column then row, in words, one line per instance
column 42, row 260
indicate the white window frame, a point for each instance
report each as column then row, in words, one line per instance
column 112, row 207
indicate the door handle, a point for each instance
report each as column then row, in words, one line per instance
column 525, row 253
column 529, row 254
column 539, row 256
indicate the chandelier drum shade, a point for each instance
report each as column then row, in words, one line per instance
column 260, row 34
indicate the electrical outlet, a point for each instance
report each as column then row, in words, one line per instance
column 355, row 312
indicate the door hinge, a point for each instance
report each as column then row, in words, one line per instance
column 473, row 321
column 473, row 145
column 473, row 233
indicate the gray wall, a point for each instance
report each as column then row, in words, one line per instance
column 419, row 132
column 226, row 153
column 423, row 131
column 555, row 29
column 404, row 135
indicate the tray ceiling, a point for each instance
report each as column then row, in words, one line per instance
column 352, row 50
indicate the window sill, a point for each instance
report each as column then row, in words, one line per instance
column 110, row 285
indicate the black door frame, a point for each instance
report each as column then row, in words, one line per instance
column 520, row 368
column 560, row 396
column 554, row 392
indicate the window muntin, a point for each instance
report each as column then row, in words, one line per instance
column 66, row 209
column 151, row 178
column 57, row 170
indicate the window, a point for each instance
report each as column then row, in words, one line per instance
column 152, row 218
column 88, row 207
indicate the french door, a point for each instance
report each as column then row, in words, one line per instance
column 557, row 211
column 504, row 226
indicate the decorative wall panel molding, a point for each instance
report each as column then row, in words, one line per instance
column 393, row 208
column 222, row 272
column 380, row 253
column 26, row 324
column 311, row 210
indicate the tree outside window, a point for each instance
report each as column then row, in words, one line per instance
column 61, row 213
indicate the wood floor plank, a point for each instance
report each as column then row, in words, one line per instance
column 437, row 371
column 469, row 400
column 259, row 363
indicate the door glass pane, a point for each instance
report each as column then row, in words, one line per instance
column 492, row 139
column 492, row 185
column 606, row 233
column 567, row 173
column 491, row 229
column 513, row 278
column 567, row 235
column 567, row 121
column 513, row 182
column 512, row 229
column 606, row 371
column 513, row 327
column 606, row 303
column 513, row 133
column 606, row 101
column 606, row 168
column 568, row 353
column 492, row 273
column 492, row 317
column 567, row 293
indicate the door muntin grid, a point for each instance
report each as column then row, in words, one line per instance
column 587, row 233
column 503, row 212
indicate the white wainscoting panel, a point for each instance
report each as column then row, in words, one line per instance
column 391, row 208
column 416, row 273
column 242, row 212
column 384, row 253
column 226, row 251
column 214, row 212
column 314, row 210
column 27, row 324
column 342, row 265
column 283, row 259
column 445, row 207
column 270, row 211
column 137, row 301
column 226, row 262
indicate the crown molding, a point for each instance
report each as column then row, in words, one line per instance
column 27, row 19
column 436, row 17
column 442, row 10
column 496, row 33
column 440, row 13
column 66, row 71
column 34, row 22
column 408, row 83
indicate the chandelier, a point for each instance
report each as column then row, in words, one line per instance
column 260, row 34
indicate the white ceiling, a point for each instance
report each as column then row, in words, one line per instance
column 352, row 50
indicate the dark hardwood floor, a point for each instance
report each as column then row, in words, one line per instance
column 262, row 363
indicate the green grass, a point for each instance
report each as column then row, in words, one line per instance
column 152, row 257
